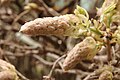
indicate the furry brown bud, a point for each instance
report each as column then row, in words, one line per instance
column 50, row 25
column 7, row 71
column 83, row 50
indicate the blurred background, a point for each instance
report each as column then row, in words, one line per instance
column 34, row 56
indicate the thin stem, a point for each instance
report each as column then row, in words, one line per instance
column 53, row 67
column 43, row 61
column 23, row 77
column 20, row 15
column 109, row 50
column 50, row 74
column 50, row 10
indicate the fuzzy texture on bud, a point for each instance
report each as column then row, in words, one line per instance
column 7, row 71
column 86, row 49
column 58, row 25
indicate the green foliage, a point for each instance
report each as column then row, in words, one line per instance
column 87, row 27
column 79, row 28
column 81, row 11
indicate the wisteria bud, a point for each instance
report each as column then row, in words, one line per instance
column 7, row 71
column 60, row 25
column 86, row 49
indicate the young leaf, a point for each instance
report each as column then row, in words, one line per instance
column 116, row 35
column 80, row 10
column 109, row 8
column 106, row 75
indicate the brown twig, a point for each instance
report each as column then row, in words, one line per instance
column 50, row 74
column 43, row 61
column 89, row 76
column 19, row 16
column 48, row 9
column 7, row 43
column 53, row 67
column 73, row 71
column 23, row 77
column 109, row 50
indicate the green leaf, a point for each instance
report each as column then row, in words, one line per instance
column 82, row 11
column 109, row 8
